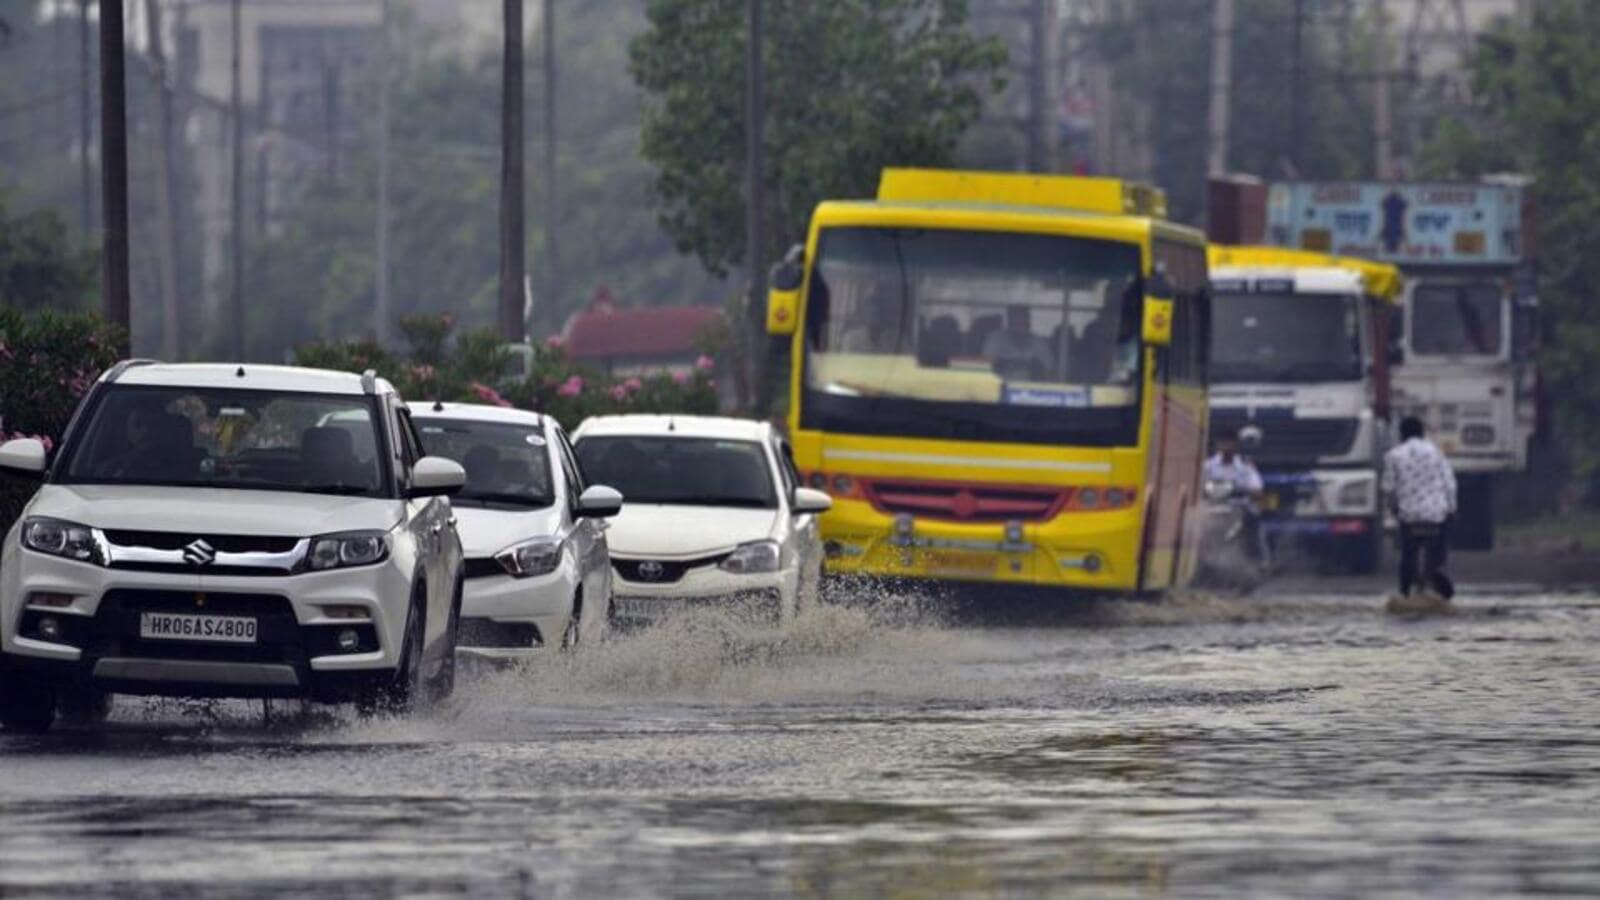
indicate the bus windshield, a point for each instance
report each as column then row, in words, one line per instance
column 1456, row 319
column 1279, row 337
column 977, row 335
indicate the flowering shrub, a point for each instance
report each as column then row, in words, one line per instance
column 470, row 367
column 48, row 361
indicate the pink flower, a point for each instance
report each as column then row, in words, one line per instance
column 572, row 387
column 632, row 384
column 423, row 372
column 489, row 395
column 5, row 351
column 680, row 377
column 555, row 342
column 619, row 392
column 705, row 363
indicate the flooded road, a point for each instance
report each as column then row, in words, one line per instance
column 1291, row 742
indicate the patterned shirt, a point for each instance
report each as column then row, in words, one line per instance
column 1420, row 481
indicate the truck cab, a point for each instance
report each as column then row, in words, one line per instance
column 1300, row 350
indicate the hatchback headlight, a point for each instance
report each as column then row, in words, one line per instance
column 539, row 556
column 754, row 558
column 351, row 548
column 55, row 537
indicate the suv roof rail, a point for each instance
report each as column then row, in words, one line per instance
column 369, row 381
column 115, row 372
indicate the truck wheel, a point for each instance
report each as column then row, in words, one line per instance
column 1365, row 553
column 26, row 706
column 1473, row 528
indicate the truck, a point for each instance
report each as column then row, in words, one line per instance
column 1468, row 323
column 1300, row 352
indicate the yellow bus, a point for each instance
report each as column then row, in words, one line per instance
column 1000, row 378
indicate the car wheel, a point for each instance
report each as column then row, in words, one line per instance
column 445, row 684
column 83, row 706
column 398, row 693
column 571, row 635
column 26, row 705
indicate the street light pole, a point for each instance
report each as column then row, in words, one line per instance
column 755, row 208
column 512, row 226
column 114, row 167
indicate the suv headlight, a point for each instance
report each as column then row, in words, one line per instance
column 753, row 558
column 67, row 540
column 351, row 548
column 539, row 556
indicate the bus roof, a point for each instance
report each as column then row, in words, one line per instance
column 1068, row 192
column 1380, row 280
column 1000, row 217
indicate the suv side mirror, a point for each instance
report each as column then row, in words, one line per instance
column 810, row 501
column 599, row 502
column 25, row 457
column 435, row 476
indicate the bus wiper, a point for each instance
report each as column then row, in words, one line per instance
column 525, row 500
column 341, row 489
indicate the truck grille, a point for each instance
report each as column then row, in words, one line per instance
column 1287, row 441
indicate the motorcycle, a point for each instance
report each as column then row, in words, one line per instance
column 1232, row 554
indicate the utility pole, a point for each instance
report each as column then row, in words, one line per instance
column 1383, row 148
column 1297, row 88
column 235, row 321
column 512, row 226
column 114, row 167
column 1040, row 157
column 1221, row 87
column 552, row 183
column 166, row 205
column 85, row 126
column 754, row 207
column 380, row 287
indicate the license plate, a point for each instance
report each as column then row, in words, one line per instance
column 959, row 560
column 181, row 627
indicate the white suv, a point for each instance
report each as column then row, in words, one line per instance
column 714, row 511
column 229, row 531
column 538, row 573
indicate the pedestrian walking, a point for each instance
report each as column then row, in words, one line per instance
column 1421, row 488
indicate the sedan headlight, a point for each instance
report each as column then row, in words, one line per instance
column 754, row 558
column 352, row 548
column 55, row 537
column 536, row 557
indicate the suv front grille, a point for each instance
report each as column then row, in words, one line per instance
column 222, row 543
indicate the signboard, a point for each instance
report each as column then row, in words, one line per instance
column 1419, row 224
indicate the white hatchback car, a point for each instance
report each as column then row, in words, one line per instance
column 714, row 510
column 537, row 568
column 229, row 531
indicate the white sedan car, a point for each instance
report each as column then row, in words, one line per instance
column 537, row 569
column 715, row 510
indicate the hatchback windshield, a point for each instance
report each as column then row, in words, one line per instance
column 506, row 464
column 220, row 438
column 694, row 471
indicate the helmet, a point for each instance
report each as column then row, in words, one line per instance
column 1250, row 438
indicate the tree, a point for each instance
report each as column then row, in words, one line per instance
column 1537, row 90
column 40, row 266
column 852, row 86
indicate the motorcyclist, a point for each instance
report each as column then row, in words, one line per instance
column 1229, row 466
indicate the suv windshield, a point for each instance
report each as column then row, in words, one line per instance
column 1456, row 319
column 506, row 464
column 222, row 438
column 1283, row 337
column 693, row 471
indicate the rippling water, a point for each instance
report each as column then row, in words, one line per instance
column 1290, row 744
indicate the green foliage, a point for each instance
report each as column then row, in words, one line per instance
column 1539, row 89
column 470, row 368
column 851, row 86
column 48, row 360
column 40, row 266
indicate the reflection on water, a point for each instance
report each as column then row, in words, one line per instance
column 1275, row 744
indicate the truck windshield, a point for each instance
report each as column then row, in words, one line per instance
column 1456, row 319
column 1283, row 337
column 973, row 335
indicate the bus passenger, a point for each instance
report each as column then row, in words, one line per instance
column 1015, row 352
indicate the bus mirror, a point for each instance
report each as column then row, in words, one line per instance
column 783, row 310
column 1157, row 322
